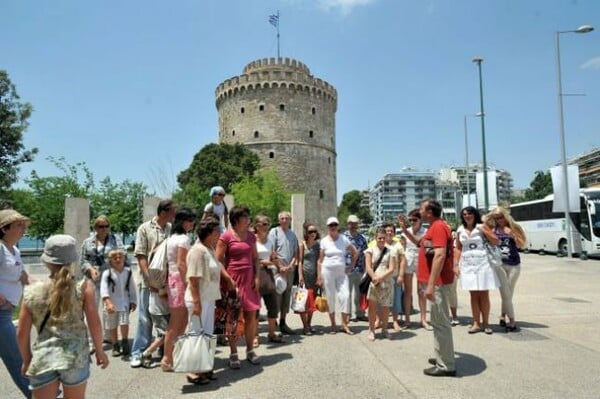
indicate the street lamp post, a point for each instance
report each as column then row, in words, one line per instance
column 467, row 157
column 486, row 200
column 561, row 126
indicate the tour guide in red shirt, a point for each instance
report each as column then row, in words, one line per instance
column 435, row 269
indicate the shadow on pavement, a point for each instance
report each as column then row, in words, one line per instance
column 468, row 365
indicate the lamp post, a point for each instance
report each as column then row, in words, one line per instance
column 467, row 157
column 486, row 200
column 561, row 126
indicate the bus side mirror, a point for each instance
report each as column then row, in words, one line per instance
column 592, row 208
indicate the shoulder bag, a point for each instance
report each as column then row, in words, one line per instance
column 365, row 281
column 194, row 351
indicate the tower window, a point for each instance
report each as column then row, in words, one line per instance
column 233, row 133
column 242, row 110
column 271, row 155
column 281, row 107
column 329, row 160
column 256, row 134
column 261, row 107
column 313, row 110
column 321, row 195
column 310, row 134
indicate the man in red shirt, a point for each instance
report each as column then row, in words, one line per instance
column 435, row 269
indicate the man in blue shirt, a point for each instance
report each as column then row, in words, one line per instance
column 360, row 243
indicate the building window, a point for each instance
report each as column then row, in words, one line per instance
column 256, row 134
column 321, row 194
column 310, row 134
column 242, row 110
column 313, row 110
column 233, row 133
column 271, row 155
column 261, row 107
column 329, row 160
column 281, row 107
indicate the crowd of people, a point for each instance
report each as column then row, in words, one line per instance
column 222, row 276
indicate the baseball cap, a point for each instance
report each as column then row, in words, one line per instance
column 332, row 220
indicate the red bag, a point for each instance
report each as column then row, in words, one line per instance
column 364, row 302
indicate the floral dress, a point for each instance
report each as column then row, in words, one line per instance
column 381, row 293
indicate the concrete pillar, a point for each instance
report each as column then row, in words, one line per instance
column 298, row 214
column 150, row 205
column 77, row 222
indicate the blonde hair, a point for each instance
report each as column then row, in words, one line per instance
column 101, row 219
column 515, row 228
column 61, row 292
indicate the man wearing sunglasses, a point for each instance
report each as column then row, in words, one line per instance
column 354, row 275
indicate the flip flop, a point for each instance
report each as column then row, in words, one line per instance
column 474, row 330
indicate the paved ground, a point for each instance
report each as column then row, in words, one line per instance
column 555, row 355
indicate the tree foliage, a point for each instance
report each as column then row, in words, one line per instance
column 214, row 165
column 13, row 123
column 351, row 205
column 540, row 186
column 44, row 199
column 263, row 194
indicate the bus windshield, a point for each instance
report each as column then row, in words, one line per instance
column 594, row 197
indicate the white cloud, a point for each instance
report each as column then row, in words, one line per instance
column 345, row 6
column 593, row 63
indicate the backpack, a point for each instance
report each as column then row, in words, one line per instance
column 112, row 283
column 158, row 267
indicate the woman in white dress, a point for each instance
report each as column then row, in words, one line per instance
column 477, row 275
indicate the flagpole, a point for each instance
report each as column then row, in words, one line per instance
column 278, row 53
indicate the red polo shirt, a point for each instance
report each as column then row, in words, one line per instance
column 440, row 236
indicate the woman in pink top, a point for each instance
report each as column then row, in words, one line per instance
column 236, row 250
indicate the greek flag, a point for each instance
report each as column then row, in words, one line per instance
column 274, row 20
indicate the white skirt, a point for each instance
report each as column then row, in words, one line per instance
column 476, row 273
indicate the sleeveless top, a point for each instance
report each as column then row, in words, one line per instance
column 508, row 246
column 309, row 266
column 62, row 344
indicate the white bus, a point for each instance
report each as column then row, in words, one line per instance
column 546, row 229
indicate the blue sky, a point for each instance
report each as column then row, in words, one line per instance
column 128, row 86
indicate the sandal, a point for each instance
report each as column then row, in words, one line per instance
column 474, row 330
column 167, row 368
column 488, row 331
column 252, row 357
column 255, row 343
column 275, row 338
column 234, row 361
column 346, row 330
column 427, row 326
column 384, row 334
column 199, row 379
column 308, row 331
column 513, row 328
column 371, row 336
column 333, row 330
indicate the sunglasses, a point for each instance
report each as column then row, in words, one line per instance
column 312, row 231
column 413, row 219
column 333, row 225
column 103, row 226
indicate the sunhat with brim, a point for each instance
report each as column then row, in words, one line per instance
column 60, row 249
column 217, row 190
column 8, row 216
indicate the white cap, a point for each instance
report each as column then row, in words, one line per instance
column 353, row 219
column 332, row 220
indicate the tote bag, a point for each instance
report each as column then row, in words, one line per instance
column 298, row 299
column 157, row 269
column 194, row 352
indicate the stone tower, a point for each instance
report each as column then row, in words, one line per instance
column 286, row 116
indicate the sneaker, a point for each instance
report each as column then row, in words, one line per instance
column 136, row 361
column 116, row 350
column 147, row 360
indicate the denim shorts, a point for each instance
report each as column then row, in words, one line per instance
column 71, row 377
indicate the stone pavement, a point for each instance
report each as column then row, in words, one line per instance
column 555, row 355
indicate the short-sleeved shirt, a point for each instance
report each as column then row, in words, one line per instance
column 11, row 268
column 148, row 236
column 335, row 251
column 202, row 263
column 285, row 244
column 437, row 236
column 113, row 285
column 219, row 210
column 360, row 243
column 175, row 242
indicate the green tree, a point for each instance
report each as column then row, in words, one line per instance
column 13, row 123
column 121, row 202
column 263, row 193
column 351, row 204
column 216, row 165
column 540, row 186
column 46, row 203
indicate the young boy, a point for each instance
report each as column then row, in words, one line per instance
column 159, row 313
column 118, row 292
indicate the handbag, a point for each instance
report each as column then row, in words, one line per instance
column 321, row 301
column 280, row 283
column 266, row 282
column 298, row 299
column 157, row 269
column 194, row 351
column 494, row 254
column 365, row 281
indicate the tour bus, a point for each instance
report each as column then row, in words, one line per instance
column 546, row 229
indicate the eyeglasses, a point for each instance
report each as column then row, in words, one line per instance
column 103, row 226
column 312, row 231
